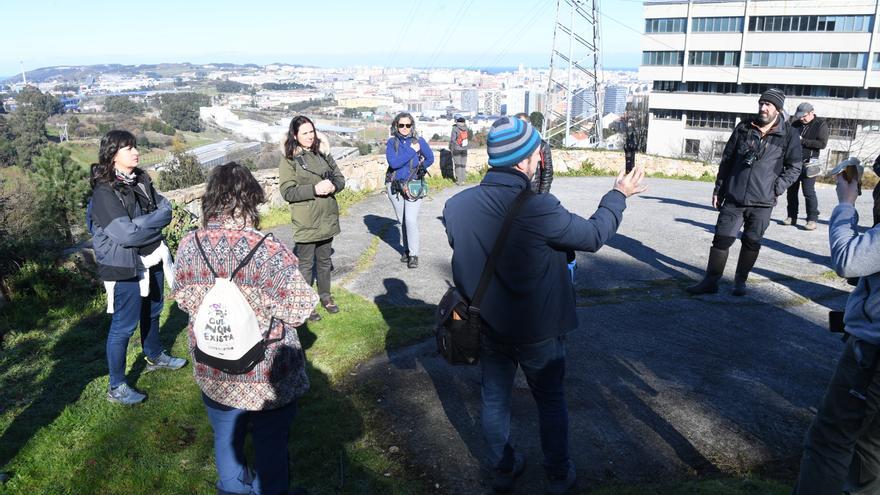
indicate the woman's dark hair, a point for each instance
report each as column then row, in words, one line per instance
column 112, row 142
column 403, row 115
column 290, row 142
column 232, row 190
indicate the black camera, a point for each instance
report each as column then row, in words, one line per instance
column 327, row 175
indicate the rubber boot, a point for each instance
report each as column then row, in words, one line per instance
column 714, row 271
column 747, row 258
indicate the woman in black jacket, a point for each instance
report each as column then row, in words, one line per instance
column 126, row 217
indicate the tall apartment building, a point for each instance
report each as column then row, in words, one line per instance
column 470, row 100
column 709, row 60
column 582, row 104
column 615, row 100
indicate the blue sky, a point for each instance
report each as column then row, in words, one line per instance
column 426, row 33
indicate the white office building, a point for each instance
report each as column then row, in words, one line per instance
column 710, row 60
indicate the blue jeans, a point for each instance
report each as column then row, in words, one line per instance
column 543, row 364
column 269, row 432
column 129, row 309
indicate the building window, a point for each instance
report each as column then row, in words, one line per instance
column 718, row 149
column 876, row 64
column 665, row 114
column 717, row 25
column 711, row 120
column 827, row 23
column 691, row 147
column 662, row 58
column 713, row 58
column 806, row 60
column 669, row 86
column 842, row 128
column 835, row 157
column 667, row 25
column 713, row 87
column 870, row 126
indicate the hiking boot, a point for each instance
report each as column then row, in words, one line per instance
column 502, row 481
column 404, row 258
column 123, row 394
column 329, row 305
column 811, row 225
column 314, row 316
column 413, row 262
column 714, row 270
column 164, row 362
column 561, row 484
column 789, row 221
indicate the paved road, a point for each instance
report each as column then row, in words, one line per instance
column 660, row 385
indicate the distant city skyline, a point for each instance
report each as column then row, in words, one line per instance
column 425, row 34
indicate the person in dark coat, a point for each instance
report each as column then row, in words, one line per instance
column 125, row 217
column 814, row 137
column 761, row 160
column 529, row 305
column 630, row 146
column 544, row 176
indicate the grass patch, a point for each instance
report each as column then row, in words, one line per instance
column 279, row 215
column 705, row 177
column 721, row 486
column 588, row 169
column 58, row 434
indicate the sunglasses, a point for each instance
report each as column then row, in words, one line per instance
column 401, row 126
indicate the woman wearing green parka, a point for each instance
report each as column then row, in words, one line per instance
column 309, row 181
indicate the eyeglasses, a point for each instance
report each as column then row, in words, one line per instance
column 401, row 126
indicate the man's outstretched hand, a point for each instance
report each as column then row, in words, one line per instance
column 631, row 183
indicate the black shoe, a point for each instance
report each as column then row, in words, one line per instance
column 709, row 285
column 413, row 262
column 559, row 485
column 329, row 305
column 502, row 481
column 404, row 258
column 739, row 288
column 314, row 316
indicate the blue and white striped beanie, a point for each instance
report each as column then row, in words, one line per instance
column 511, row 141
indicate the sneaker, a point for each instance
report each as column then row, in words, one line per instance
column 811, row 225
column 164, row 362
column 561, row 484
column 413, row 262
column 314, row 316
column 404, row 258
column 789, row 221
column 503, row 481
column 329, row 305
column 123, row 394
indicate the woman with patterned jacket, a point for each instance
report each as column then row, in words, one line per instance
column 125, row 217
column 263, row 399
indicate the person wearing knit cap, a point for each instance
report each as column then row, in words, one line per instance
column 761, row 160
column 529, row 305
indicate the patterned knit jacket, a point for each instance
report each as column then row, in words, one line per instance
column 272, row 283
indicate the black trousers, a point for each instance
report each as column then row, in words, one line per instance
column 809, row 185
column 314, row 262
column 753, row 219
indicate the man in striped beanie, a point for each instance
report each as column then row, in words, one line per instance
column 529, row 304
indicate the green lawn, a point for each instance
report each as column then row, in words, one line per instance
column 58, row 434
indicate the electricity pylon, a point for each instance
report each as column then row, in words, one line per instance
column 574, row 89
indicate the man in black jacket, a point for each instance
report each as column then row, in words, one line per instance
column 761, row 160
column 814, row 137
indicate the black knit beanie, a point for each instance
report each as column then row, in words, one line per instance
column 774, row 96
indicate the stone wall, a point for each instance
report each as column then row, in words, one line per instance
column 367, row 173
